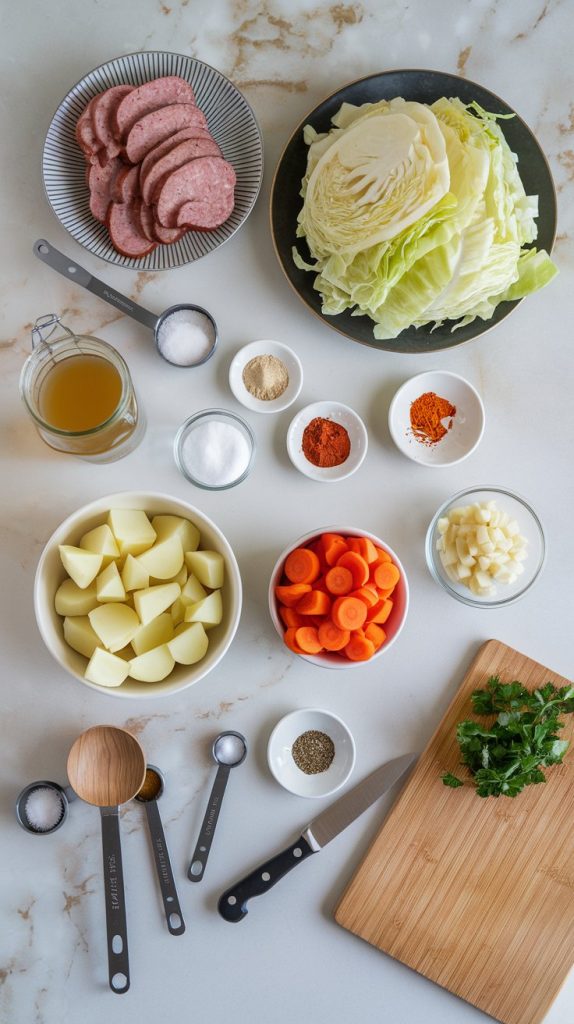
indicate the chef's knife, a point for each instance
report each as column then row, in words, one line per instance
column 233, row 903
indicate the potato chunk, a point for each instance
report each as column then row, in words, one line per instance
column 152, row 666
column 192, row 591
column 190, row 644
column 72, row 600
column 209, row 611
column 115, row 625
column 134, row 576
column 153, row 634
column 154, row 600
column 208, row 566
column 132, row 530
column 164, row 559
column 106, row 669
column 80, row 636
column 176, row 526
column 102, row 542
column 83, row 566
column 109, row 586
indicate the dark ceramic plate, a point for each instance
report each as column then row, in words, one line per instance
column 425, row 87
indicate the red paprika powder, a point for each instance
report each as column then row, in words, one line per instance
column 325, row 443
column 428, row 413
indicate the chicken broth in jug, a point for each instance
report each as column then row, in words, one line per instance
column 80, row 395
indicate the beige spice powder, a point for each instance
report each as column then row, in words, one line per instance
column 265, row 377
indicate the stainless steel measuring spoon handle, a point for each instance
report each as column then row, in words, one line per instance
column 74, row 272
column 116, row 923
column 173, row 914
column 196, row 868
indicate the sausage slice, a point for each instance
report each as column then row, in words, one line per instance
column 103, row 112
column 160, row 125
column 172, row 160
column 152, row 96
column 125, row 232
column 198, row 195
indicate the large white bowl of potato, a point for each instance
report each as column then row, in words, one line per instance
column 137, row 594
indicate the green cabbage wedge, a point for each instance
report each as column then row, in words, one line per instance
column 414, row 215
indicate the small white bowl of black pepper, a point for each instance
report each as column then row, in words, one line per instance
column 311, row 752
column 266, row 376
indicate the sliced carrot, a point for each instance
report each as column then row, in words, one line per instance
column 302, row 566
column 290, row 641
column 290, row 617
column 349, row 612
column 367, row 549
column 382, row 594
column 380, row 613
column 317, row 547
column 314, row 603
column 375, row 634
column 359, row 648
column 289, row 595
column 333, row 547
column 357, row 565
column 387, row 575
column 339, row 580
column 333, row 638
column 368, row 594
column 308, row 640
column 321, row 584
column 354, row 544
column 382, row 555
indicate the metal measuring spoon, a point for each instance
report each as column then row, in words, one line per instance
column 149, row 794
column 74, row 272
column 229, row 750
column 106, row 768
column 64, row 795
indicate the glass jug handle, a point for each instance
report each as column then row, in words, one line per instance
column 44, row 328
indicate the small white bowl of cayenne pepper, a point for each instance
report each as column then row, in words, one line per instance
column 311, row 752
column 266, row 376
column 327, row 441
column 436, row 418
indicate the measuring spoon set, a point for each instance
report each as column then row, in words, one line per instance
column 107, row 768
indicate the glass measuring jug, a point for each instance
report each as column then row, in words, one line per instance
column 79, row 393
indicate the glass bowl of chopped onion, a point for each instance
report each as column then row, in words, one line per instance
column 485, row 546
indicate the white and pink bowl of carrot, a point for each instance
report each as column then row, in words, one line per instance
column 338, row 597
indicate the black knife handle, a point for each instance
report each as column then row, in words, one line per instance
column 233, row 903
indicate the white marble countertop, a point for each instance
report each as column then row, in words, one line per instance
column 289, row 959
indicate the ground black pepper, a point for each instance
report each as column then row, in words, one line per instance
column 313, row 752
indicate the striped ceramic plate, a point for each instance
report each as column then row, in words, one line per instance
column 231, row 122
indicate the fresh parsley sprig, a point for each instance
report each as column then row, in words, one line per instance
column 511, row 753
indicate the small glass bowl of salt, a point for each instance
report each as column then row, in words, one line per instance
column 215, row 449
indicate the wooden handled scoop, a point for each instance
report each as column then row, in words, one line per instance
column 106, row 768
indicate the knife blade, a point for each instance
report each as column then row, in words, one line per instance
column 232, row 903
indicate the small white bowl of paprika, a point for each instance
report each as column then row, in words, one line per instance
column 327, row 441
column 436, row 418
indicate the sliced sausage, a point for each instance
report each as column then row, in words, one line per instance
column 126, row 185
column 177, row 157
column 159, row 125
column 205, row 187
column 164, row 147
column 125, row 232
column 103, row 112
column 167, row 236
column 144, row 218
column 101, row 184
column 149, row 97
column 85, row 134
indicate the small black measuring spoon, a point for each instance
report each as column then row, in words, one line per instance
column 74, row 272
column 229, row 750
column 149, row 794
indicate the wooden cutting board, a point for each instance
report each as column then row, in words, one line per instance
column 476, row 894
